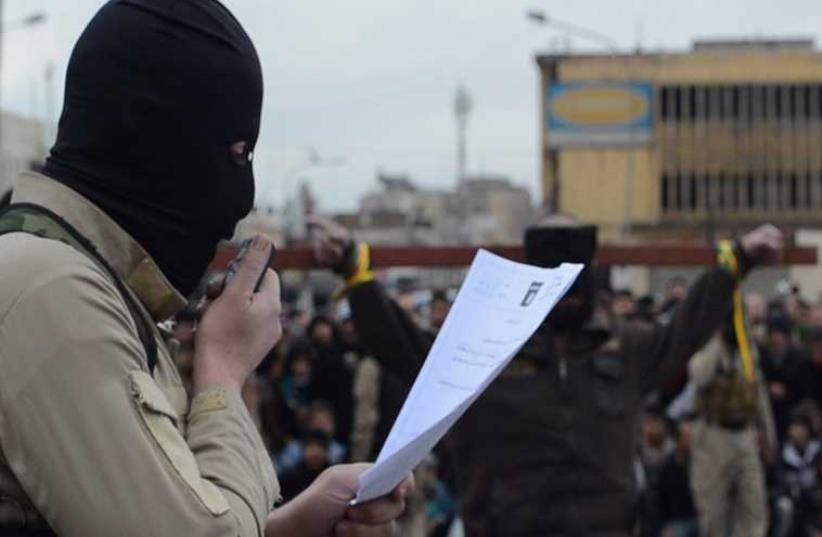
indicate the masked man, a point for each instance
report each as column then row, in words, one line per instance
column 548, row 450
column 151, row 168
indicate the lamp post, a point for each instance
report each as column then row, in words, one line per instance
column 542, row 19
column 29, row 21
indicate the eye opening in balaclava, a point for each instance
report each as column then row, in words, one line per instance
column 160, row 122
column 562, row 240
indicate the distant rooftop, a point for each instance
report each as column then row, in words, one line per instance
column 397, row 183
column 801, row 43
column 487, row 182
column 709, row 44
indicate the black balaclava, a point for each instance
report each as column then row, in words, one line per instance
column 549, row 247
column 162, row 112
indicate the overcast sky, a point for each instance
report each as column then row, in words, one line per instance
column 369, row 84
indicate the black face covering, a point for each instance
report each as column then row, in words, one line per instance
column 161, row 116
column 549, row 247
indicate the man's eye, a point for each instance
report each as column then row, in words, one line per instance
column 242, row 154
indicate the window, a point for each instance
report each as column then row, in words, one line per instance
column 740, row 102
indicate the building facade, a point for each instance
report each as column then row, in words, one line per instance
column 685, row 145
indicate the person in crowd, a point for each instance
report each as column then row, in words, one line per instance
column 438, row 311
column 815, row 316
column 296, row 385
column 333, row 376
column 727, row 475
column 623, row 306
column 152, row 167
column 675, row 502
column 655, row 442
column 655, row 445
column 314, row 459
column 367, row 395
column 757, row 309
column 808, row 379
column 646, row 309
column 780, row 361
column 798, row 470
column 815, row 518
column 319, row 417
column 565, row 464
column 440, row 508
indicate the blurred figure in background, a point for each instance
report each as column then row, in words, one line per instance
column 655, row 442
column 808, row 380
column 655, row 446
column 815, row 524
column 646, row 309
column 675, row 502
column 780, row 360
column 757, row 309
column 798, row 463
column 319, row 417
column 623, row 306
column 438, row 311
column 727, row 476
column 314, row 460
column 296, row 385
column 333, row 375
column 439, row 505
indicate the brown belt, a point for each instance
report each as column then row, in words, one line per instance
column 729, row 424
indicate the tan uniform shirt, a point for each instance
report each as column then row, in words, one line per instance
column 88, row 437
column 705, row 365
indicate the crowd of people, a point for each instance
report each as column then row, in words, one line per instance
column 316, row 399
column 788, row 338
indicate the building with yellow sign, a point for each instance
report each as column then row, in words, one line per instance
column 685, row 145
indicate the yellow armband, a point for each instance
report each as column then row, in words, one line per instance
column 726, row 258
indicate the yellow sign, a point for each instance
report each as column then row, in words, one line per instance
column 601, row 106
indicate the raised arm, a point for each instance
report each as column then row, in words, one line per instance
column 662, row 351
column 384, row 328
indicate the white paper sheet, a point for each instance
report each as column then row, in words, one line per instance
column 499, row 307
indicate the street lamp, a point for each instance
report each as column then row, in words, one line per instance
column 541, row 18
column 28, row 21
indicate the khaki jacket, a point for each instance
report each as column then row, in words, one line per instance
column 89, row 440
column 704, row 370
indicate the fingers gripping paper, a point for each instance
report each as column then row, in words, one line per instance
column 499, row 307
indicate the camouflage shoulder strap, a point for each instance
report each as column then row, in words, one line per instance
column 39, row 221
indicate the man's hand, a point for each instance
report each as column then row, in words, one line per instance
column 324, row 509
column 331, row 242
column 764, row 246
column 240, row 327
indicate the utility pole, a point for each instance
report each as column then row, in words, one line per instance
column 462, row 109
column 29, row 21
column 50, row 107
column 2, row 122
